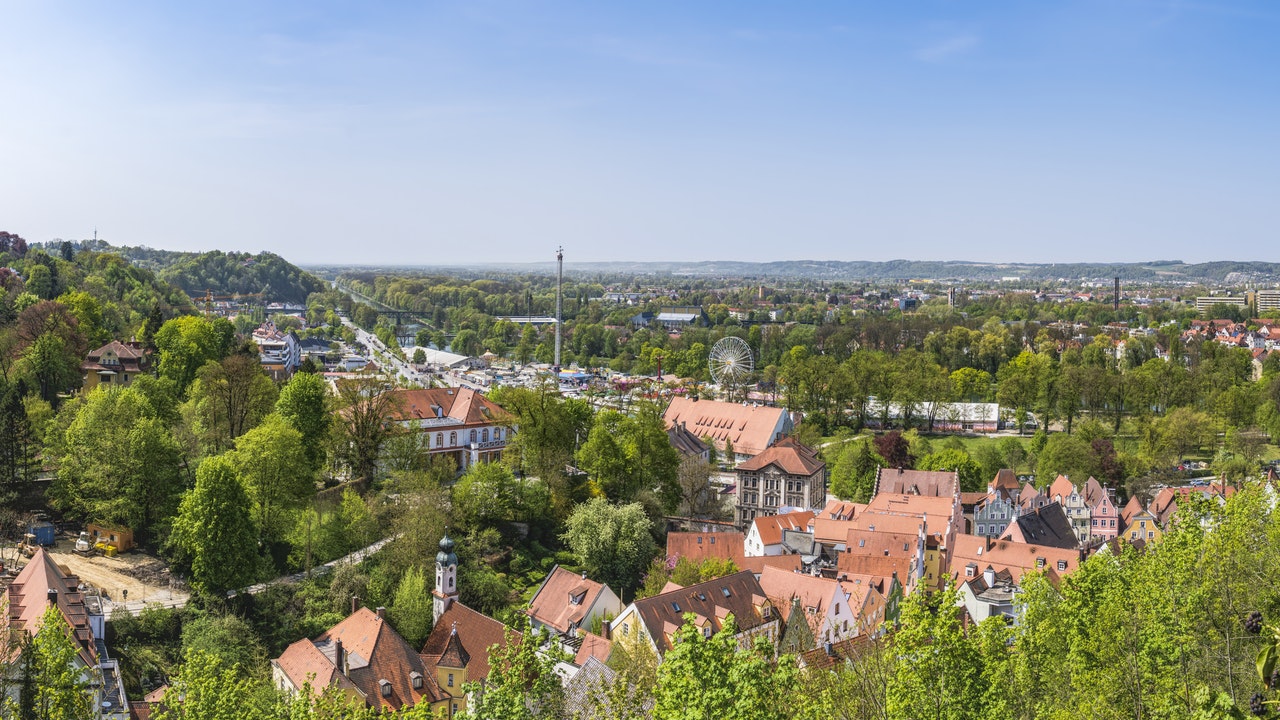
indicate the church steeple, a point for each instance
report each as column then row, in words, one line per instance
column 446, row 591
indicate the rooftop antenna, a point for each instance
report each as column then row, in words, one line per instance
column 559, row 283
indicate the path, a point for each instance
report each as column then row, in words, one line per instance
column 179, row 600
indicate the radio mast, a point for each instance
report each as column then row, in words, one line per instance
column 559, row 283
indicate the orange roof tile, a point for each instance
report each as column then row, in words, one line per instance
column 700, row 546
column 789, row 455
column 749, row 427
column 770, row 527
column 476, row 633
column 564, row 599
column 931, row 483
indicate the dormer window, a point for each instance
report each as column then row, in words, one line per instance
column 385, row 688
column 416, row 679
column 725, row 590
column 1039, row 563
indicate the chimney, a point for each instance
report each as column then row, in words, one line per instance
column 355, row 603
column 382, row 612
column 989, row 576
column 340, row 658
column 52, row 596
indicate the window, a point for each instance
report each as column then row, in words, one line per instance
column 472, row 437
column 484, row 435
column 675, row 606
column 385, row 687
column 1062, row 565
column 706, row 631
column 453, row 438
column 626, row 628
column 699, row 539
column 725, row 590
column 497, row 434
column 455, row 708
column 862, row 542
column 416, row 678
column 439, row 440
column 767, row 612
column 1113, row 523
column 1039, row 563
column 450, row 679
column 1151, row 534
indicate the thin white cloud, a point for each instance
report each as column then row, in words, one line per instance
column 952, row 47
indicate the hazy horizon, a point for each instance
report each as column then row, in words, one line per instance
column 451, row 133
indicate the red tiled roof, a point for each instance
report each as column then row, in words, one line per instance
column 373, row 653
column 781, row 586
column 700, row 546
column 930, row 483
column 554, row 604
column 757, row 564
column 594, row 646
column 736, row 594
column 1005, row 479
column 789, row 455
column 749, row 427
column 476, row 633
column 28, row 598
column 462, row 404
column 770, row 527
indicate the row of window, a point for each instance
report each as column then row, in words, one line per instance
column 453, row 437
column 1103, row 522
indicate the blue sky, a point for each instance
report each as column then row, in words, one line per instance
column 460, row 132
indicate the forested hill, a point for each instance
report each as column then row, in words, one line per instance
column 1154, row 271
column 228, row 273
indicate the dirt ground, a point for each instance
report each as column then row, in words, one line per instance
column 141, row 574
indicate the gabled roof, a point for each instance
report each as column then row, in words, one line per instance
column 1044, row 526
column 28, row 597
column 938, row 509
column 841, row 510
column 770, row 527
column 123, row 351
column 832, row 654
column 1094, row 493
column 815, row 594
column 593, row 646
column 476, row 633
column 881, row 544
column 699, row 546
column 1131, row 509
column 685, row 442
column 564, row 600
column 830, row 532
column 1018, row 558
column 1005, row 479
column 749, row 427
column 373, row 653
column 712, row 601
column 849, row 564
column 929, row 483
column 462, row 404
column 788, row 454
column 1061, row 488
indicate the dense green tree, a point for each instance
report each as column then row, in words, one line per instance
column 1067, row 455
column 972, row 476
column 214, row 530
column 614, row 542
column 185, row 344
column 411, row 610
column 522, row 683
column 364, row 405
column 60, row 690
column 119, row 463
column 703, row 678
column 853, row 476
column 229, row 398
column 270, row 459
column 304, row 404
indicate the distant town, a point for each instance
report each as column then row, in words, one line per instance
column 234, row 487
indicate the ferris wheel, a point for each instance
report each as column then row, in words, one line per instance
column 730, row 361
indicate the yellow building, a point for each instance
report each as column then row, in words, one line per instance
column 115, row 363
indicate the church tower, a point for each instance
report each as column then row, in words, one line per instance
column 446, row 591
